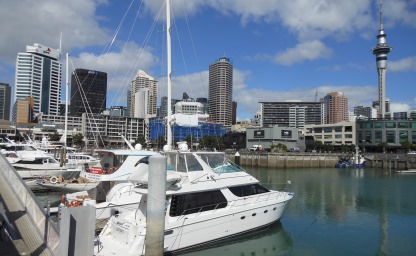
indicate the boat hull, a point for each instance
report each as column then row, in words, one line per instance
column 191, row 231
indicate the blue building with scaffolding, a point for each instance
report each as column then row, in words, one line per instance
column 179, row 133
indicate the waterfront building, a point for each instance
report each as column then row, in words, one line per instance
column 368, row 112
column 291, row 113
column 143, row 95
column 164, row 105
column 101, row 129
column 5, row 98
column 412, row 114
column 88, row 92
column 116, row 111
column 23, row 110
column 204, row 102
column 220, row 91
column 342, row 133
column 381, row 51
column 39, row 74
column 376, row 134
column 234, row 113
column 186, row 125
column 400, row 115
column 336, row 108
column 274, row 135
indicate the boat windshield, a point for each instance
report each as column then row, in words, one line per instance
column 219, row 163
column 183, row 162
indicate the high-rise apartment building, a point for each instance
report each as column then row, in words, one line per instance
column 291, row 114
column 39, row 74
column 336, row 107
column 5, row 96
column 368, row 112
column 143, row 95
column 88, row 92
column 220, row 92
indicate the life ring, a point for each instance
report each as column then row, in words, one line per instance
column 74, row 203
column 53, row 180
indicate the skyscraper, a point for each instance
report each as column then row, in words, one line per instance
column 381, row 51
column 88, row 92
column 39, row 74
column 220, row 92
column 143, row 95
column 5, row 96
column 336, row 107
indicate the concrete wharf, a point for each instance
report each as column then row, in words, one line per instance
column 25, row 226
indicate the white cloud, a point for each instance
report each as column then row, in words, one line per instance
column 304, row 51
column 399, row 107
column 405, row 64
column 26, row 22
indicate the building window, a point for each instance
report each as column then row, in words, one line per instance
column 378, row 137
column 318, row 130
column 369, row 125
column 414, row 125
column 338, row 128
column 403, row 125
column 368, row 136
column 404, row 136
column 390, row 125
column 348, row 136
column 327, row 137
column 413, row 137
column 391, row 137
column 378, row 125
column 327, row 129
column 338, row 136
column 348, row 128
column 359, row 135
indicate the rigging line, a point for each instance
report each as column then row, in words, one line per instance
column 119, row 26
column 194, row 50
column 83, row 97
column 183, row 56
column 140, row 53
column 119, row 92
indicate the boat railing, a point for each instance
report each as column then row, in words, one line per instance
column 259, row 198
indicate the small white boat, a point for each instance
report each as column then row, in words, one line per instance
column 67, row 185
column 39, row 166
column 407, row 171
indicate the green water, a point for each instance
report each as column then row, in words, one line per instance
column 335, row 212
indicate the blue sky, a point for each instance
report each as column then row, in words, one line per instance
column 281, row 50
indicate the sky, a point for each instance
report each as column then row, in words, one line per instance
column 280, row 50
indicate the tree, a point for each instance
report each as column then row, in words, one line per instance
column 140, row 140
column 55, row 136
column 384, row 146
column 78, row 140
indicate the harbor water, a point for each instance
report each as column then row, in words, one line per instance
column 334, row 212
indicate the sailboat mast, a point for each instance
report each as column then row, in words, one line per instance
column 66, row 99
column 169, row 71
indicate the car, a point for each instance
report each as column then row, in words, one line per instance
column 412, row 153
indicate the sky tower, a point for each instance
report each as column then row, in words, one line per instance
column 381, row 51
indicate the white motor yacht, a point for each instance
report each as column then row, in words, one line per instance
column 207, row 199
column 37, row 166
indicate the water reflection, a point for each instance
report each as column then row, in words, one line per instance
column 372, row 209
column 273, row 240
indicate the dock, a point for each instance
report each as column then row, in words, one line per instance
column 25, row 226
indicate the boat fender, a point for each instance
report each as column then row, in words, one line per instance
column 54, row 180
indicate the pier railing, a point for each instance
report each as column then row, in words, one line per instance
column 28, row 202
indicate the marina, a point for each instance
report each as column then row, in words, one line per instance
column 334, row 212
